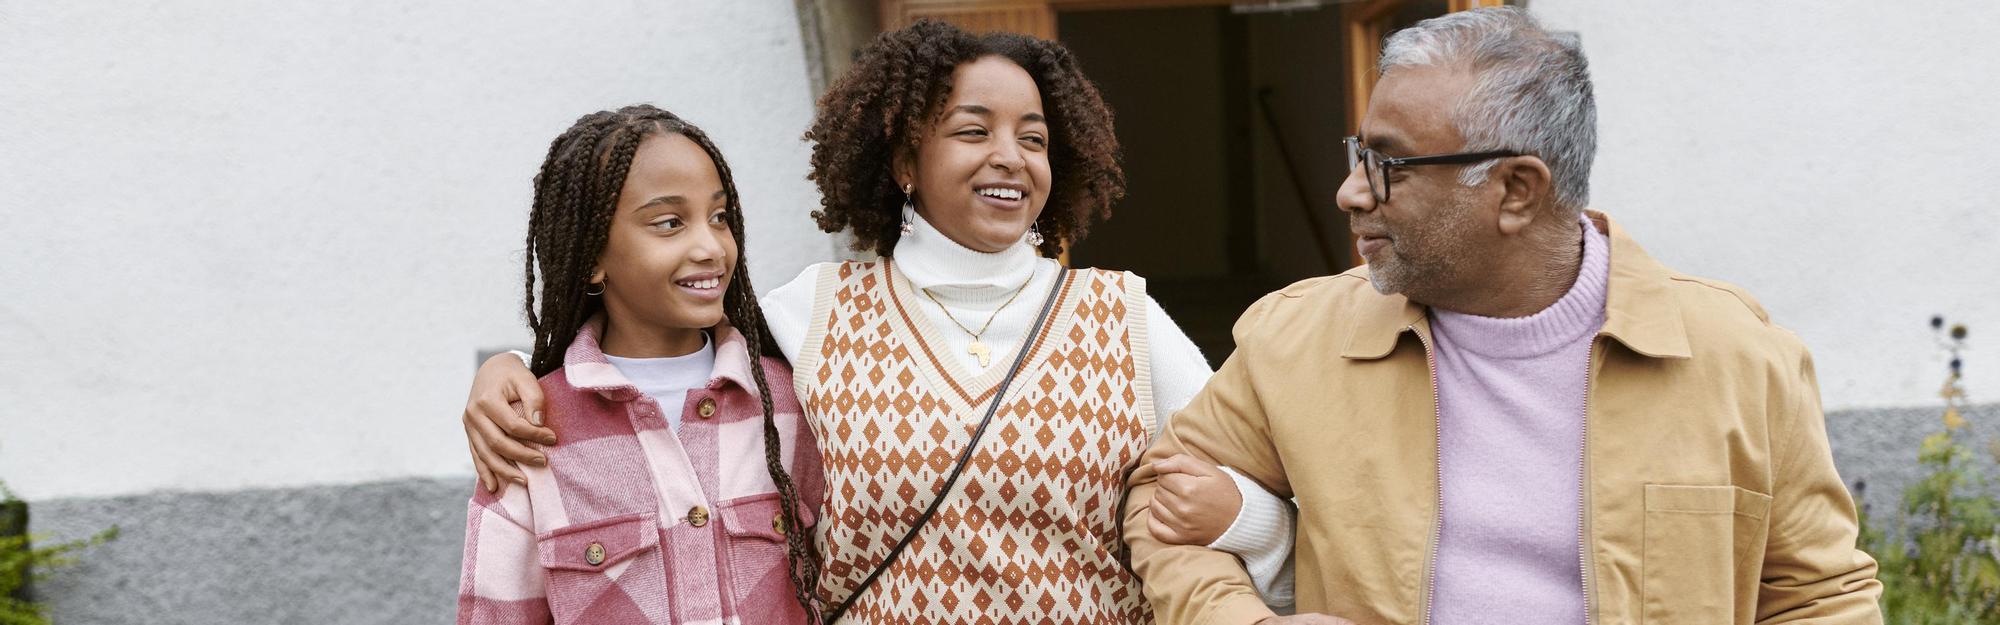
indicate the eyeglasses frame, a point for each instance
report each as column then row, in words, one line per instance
column 1357, row 155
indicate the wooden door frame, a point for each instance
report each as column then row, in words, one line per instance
column 897, row 13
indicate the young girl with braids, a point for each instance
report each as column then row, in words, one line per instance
column 683, row 489
column 963, row 162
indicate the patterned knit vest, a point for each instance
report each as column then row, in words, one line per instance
column 1030, row 533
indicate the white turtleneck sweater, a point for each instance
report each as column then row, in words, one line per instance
column 971, row 285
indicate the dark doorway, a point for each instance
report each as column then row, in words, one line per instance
column 1217, row 214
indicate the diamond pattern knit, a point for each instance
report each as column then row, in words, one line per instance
column 1030, row 533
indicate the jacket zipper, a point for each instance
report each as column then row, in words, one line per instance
column 1583, row 488
column 1437, row 516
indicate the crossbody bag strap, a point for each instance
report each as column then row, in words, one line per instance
column 951, row 479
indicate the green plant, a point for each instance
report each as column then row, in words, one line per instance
column 1941, row 563
column 21, row 562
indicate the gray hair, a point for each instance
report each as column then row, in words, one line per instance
column 1533, row 93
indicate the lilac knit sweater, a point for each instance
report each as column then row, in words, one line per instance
column 1511, row 394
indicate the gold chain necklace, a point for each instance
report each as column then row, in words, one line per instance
column 978, row 348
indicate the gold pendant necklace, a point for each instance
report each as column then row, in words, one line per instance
column 978, row 348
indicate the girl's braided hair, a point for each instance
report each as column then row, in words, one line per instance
column 576, row 195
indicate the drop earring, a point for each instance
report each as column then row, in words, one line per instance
column 1035, row 235
column 909, row 209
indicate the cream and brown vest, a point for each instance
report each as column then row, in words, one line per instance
column 1029, row 535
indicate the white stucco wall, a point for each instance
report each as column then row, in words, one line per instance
column 256, row 244
column 1834, row 158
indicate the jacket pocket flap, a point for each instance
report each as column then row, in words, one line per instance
column 597, row 545
column 1712, row 499
column 757, row 515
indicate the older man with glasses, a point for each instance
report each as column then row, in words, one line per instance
column 1512, row 414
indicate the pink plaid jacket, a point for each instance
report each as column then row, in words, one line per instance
column 631, row 523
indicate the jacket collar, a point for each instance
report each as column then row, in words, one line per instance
column 1640, row 311
column 587, row 369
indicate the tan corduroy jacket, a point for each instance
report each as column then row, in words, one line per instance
column 1709, row 492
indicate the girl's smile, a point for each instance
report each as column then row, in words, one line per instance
column 668, row 256
column 703, row 286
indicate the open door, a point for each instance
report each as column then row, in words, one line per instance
column 1364, row 25
column 1218, row 213
column 1367, row 22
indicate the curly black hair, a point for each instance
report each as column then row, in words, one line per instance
column 576, row 195
column 895, row 93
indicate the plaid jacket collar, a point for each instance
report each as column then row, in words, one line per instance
column 587, row 368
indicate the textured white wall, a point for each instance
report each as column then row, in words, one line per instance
column 257, row 244
column 1837, row 159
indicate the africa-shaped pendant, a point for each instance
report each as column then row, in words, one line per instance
column 979, row 350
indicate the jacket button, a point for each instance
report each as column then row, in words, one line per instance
column 778, row 523
column 706, row 408
column 594, row 555
column 698, row 516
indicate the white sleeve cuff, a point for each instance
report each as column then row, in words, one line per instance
column 1262, row 536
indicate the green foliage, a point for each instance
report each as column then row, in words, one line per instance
column 22, row 562
column 1939, row 565
column 1940, row 562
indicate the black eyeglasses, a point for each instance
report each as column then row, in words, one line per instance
column 1377, row 166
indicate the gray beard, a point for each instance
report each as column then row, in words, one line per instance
column 1435, row 257
column 1385, row 282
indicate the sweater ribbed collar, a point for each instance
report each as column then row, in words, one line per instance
column 958, row 274
column 1578, row 314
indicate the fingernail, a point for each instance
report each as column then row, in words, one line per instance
column 548, row 440
column 520, row 481
column 536, row 417
column 540, row 461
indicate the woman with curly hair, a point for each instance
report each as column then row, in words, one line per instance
column 977, row 406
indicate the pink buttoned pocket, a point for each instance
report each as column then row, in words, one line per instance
column 759, row 573
column 587, row 562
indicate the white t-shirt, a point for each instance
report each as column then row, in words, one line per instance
column 667, row 380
